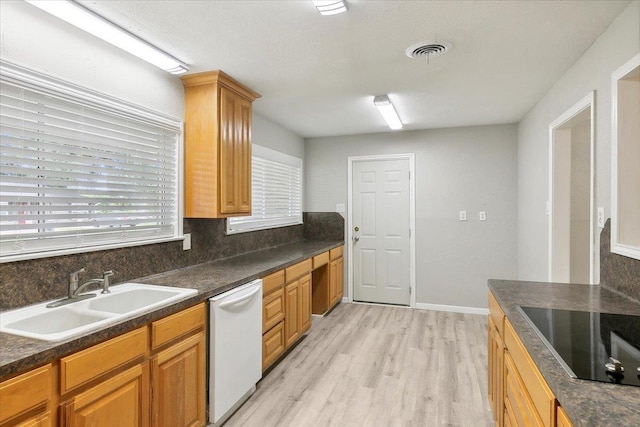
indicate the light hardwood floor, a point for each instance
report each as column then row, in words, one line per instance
column 365, row 365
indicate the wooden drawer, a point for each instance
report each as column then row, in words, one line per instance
column 24, row 392
column 272, row 282
column 272, row 309
column 86, row 365
column 496, row 314
column 174, row 326
column 540, row 393
column 320, row 260
column 297, row 270
column 521, row 410
column 272, row 345
column 336, row 252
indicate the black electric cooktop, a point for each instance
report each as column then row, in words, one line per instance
column 584, row 341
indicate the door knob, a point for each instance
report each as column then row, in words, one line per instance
column 356, row 238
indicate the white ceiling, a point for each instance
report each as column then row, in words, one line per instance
column 318, row 75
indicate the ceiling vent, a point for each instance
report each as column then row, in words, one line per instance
column 428, row 49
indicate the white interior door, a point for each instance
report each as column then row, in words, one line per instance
column 381, row 231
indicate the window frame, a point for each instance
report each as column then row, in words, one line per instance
column 48, row 84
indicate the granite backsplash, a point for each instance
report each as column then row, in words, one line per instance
column 31, row 281
column 617, row 272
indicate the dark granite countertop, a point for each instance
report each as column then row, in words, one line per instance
column 588, row 403
column 19, row 354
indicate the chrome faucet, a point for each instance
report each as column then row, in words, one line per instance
column 73, row 293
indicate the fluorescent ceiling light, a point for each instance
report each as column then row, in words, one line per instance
column 387, row 111
column 88, row 21
column 330, row 7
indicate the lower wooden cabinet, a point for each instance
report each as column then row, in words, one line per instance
column 152, row 376
column 286, row 310
column 518, row 394
column 304, row 303
column 495, row 352
column 336, row 281
column 40, row 420
column 26, row 400
column 272, row 345
column 122, row 400
column 177, row 374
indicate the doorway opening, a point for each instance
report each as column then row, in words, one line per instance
column 381, row 229
column 571, row 198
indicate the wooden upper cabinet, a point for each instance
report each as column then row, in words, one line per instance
column 217, row 146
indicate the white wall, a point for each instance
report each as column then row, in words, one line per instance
column 271, row 135
column 37, row 40
column 472, row 169
column 591, row 72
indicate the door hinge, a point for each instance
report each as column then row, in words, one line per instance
column 409, row 232
column 409, row 290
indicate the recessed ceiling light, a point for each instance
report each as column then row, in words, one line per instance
column 83, row 18
column 388, row 112
column 330, row 7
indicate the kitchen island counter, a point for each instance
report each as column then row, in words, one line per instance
column 588, row 403
column 19, row 354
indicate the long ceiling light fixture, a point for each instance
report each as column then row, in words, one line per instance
column 83, row 18
column 330, row 7
column 388, row 112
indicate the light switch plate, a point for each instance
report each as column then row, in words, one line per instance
column 186, row 243
column 601, row 218
column 463, row 215
column 482, row 215
column 340, row 207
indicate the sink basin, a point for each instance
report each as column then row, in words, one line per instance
column 77, row 318
column 56, row 322
column 134, row 299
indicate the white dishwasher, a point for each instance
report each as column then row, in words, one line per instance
column 235, row 349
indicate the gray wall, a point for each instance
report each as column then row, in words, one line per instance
column 472, row 169
column 591, row 72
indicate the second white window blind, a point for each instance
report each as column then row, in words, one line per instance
column 276, row 185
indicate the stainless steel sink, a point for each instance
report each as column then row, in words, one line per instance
column 55, row 324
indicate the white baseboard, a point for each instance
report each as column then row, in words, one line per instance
column 345, row 300
column 452, row 308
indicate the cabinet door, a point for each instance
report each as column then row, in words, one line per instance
column 242, row 151
column 305, row 303
column 495, row 371
column 178, row 377
column 340, row 279
column 336, row 281
column 291, row 315
column 227, row 159
column 562, row 419
column 24, row 393
column 121, row 401
column 272, row 345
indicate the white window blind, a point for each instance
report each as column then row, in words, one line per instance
column 276, row 185
column 81, row 170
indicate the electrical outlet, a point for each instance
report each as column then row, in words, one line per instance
column 186, row 243
column 340, row 207
column 547, row 208
column 482, row 215
column 463, row 215
column 601, row 218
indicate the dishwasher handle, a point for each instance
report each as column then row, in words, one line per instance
column 240, row 299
